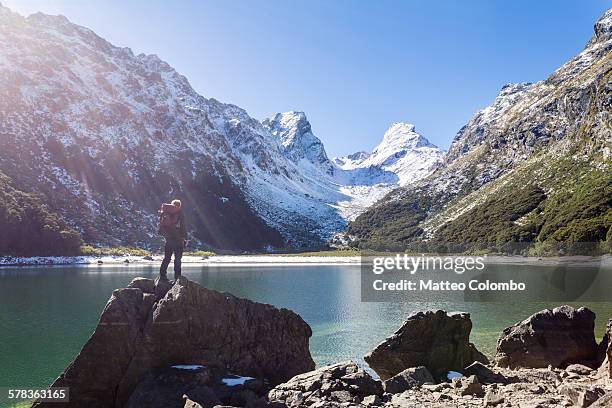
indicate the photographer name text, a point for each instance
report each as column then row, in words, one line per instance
column 447, row 286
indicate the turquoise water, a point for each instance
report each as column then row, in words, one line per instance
column 48, row 313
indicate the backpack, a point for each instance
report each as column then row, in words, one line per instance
column 168, row 215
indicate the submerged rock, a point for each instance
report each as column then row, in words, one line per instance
column 144, row 328
column 435, row 339
column 557, row 337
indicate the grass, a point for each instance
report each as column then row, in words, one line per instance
column 199, row 253
column 20, row 404
column 325, row 253
column 89, row 250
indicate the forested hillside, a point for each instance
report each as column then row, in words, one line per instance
column 27, row 227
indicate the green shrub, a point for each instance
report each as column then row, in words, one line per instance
column 493, row 223
column 28, row 228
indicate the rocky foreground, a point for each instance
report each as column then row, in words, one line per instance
column 162, row 345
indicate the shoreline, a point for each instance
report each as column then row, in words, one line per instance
column 274, row 260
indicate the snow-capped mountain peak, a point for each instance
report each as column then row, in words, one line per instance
column 402, row 157
column 294, row 133
column 603, row 27
column 405, row 152
column 400, row 137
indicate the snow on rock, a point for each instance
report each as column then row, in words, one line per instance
column 340, row 189
column 236, row 380
column 188, row 367
column 404, row 152
column 294, row 133
column 351, row 161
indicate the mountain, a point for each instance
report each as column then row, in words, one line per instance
column 298, row 143
column 403, row 152
column 102, row 136
column 532, row 169
column 403, row 157
column 105, row 136
column 323, row 194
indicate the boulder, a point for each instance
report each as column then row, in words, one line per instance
column 581, row 396
column 409, row 378
column 144, row 284
column 604, row 355
column 484, row 374
column 579, row 369
column 175, row 388
column 339, row 383
column 557, row 337
column 191, row 404
column 435, row 339
column 182, row 385
column 493, row 398
column 143, row 330
column 468, row 386
column 604, row 401
column 371, row 401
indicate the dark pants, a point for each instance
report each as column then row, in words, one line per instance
column 175, row 248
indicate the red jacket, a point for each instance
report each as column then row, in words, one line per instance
column 177, row 232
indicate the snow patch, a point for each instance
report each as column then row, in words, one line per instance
column 236, row 380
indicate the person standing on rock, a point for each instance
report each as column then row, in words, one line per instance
column 172, row 227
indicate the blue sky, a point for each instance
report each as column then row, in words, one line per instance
column 353, row 66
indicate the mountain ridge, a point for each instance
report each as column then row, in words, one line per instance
column 104, row 136
column 529, row 135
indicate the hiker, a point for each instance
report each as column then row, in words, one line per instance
column 172, row 227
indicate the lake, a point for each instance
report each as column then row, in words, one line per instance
column 48, row 313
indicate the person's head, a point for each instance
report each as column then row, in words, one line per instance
column 176, row 203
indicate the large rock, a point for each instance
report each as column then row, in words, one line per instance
column 172, row 387
column 581, row 396
column 409, row 378
column 603, row 402
column 604, row 355
column 435, row 339
column 336, row 384
column 193, row 385
column 140, row 332
column 484, row 374
column 468, row 386
column 557, row 337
